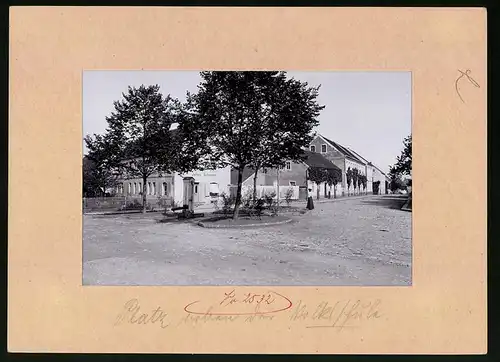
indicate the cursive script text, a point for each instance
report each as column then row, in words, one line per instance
column 132, row 314
column 339, row 314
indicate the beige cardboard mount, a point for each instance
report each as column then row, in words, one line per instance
column 444, row 311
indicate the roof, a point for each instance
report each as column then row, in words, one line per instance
column 368, row 162
column 313, row 159
column 346, row 151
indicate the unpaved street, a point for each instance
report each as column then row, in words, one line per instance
column 363, row 241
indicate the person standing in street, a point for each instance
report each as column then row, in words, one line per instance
column 310, row 203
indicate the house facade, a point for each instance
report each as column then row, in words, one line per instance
column 208, row 185
column 293, row 176
column 345, row 158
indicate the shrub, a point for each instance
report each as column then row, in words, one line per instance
column 259, row 206
column 133, row 205
column 247, row 199
column 228, row 202
column 163, row 202
column 269, row 198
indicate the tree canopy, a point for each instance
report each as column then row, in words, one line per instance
column 403, row 165
column 141, row 143
column 98, row 171
column 251, row 119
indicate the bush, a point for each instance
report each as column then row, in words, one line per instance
column 163, row 202
column 228, row 202
column 269, row 198
column 247, row 199
column 288, row 196
column 259, row 207
column 133, row 205
column 271, row 203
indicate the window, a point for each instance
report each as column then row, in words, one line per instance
column 288, row 165
column 165, row 189
column 313, row 148
column 129, row 188
column 323, row 148
column 293, row 183
column 214, row 189
column 134, row 188
column 195, row 189
column 140, row 188
column 149, row 189
column 154, row 188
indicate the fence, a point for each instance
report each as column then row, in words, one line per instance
column 121, row 202
column 266, row 190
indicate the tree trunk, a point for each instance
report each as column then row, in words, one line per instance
column 317, row 191
column 144, row 199
column 254, row 196
column 238, row 193
column 334, row 191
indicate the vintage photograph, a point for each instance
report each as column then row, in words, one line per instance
column 300, row 178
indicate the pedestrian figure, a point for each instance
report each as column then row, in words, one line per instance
column 310, row 203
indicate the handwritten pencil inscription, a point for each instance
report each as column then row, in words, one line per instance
column 339, row 314
column 133, row 314
column 469, row 78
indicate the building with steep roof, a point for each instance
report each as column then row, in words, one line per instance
column 345, row 158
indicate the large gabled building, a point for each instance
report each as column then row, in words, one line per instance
column 345, row 158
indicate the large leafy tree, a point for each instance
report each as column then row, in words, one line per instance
column 252, row 119
column 403, row 165
column 139, row 134
column 98, row 171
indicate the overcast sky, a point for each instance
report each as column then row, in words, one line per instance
column 369, row 112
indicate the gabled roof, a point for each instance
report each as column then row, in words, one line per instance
column 346, row 151
column 359, row 156
column 313, row 159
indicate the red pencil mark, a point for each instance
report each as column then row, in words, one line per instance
column 248, row 299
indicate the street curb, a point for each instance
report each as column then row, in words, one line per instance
column 100, row 213
column 343, row 198
column 208, row 226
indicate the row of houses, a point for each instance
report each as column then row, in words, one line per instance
column 209, row 184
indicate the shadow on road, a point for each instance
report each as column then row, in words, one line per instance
column 390, row 202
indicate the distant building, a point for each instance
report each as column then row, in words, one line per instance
column 344, row 158
column 292, row 176
column 210, row 184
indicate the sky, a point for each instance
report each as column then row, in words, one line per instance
column 369, row 112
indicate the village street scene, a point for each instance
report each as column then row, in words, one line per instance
column 247, row 178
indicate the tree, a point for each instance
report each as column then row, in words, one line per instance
column 253, row 119
column 98, row 171
column 355, row 178
column 364, row 181
column 403, row 165
column 349, row 175
column 396, row 183
column 333, row 177
column 360, row 182
column 317, row 175
column 139, row 134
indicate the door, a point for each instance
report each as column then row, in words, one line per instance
column 196, row 193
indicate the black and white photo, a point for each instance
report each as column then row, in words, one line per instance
column 247, row 178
